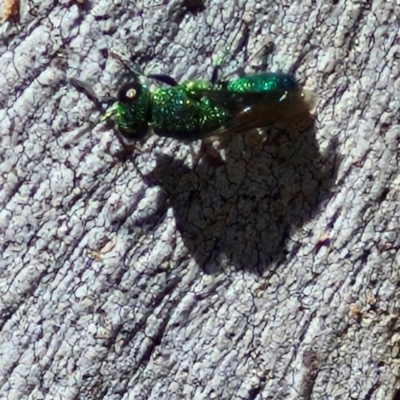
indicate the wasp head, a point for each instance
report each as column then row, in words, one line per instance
column 131, row 111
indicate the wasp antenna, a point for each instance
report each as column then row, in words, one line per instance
column 134, row 70
column 107, row 99
column 87, row 90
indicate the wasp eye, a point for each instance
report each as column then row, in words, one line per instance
column 129, row 92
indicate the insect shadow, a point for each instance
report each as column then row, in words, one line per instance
column 244, row 214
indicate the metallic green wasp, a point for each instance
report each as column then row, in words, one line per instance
column 196, row 110
column 182, row 111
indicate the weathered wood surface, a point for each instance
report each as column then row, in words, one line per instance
column 273, row 276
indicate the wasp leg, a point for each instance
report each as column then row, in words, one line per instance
column 214, row 76
column 129, row 151
column 210, row 154
column 210, row 149
column 264, row 56
column 218, row 66
column 164, row 79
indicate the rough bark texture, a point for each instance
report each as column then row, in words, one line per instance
column 272, row 276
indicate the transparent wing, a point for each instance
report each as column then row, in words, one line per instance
column 254, row 110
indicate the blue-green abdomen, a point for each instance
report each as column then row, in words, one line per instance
column 267, row 82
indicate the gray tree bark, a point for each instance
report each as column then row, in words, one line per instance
column 272, row 276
